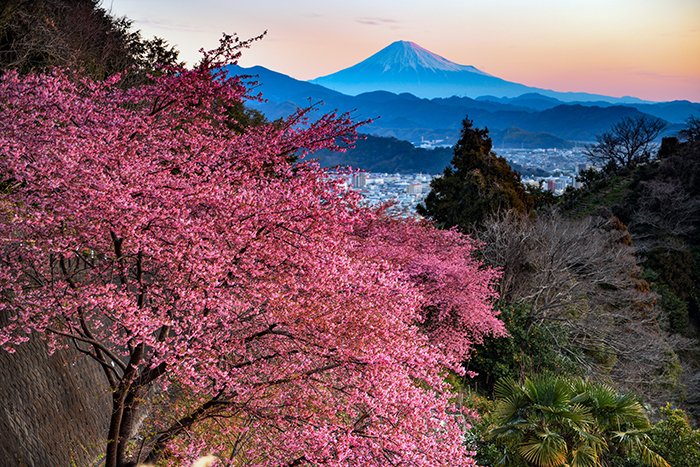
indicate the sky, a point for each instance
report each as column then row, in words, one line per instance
column 644, row 48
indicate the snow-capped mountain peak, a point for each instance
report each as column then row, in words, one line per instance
column 402, row 55
column 404, row 66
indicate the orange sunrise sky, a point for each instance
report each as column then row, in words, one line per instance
column 644, row 48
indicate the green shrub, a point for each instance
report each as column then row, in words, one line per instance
column 674, row 439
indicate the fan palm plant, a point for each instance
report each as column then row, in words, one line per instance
column 550, row 421
column 620, row 419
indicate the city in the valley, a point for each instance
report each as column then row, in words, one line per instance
column 549, row 168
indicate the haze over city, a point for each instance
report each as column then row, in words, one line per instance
column 649, row 49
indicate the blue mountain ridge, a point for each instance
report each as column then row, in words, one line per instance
column 408, row 117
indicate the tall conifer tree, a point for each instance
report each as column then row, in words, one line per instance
column 477, row 183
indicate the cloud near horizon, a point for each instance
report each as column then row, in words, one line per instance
column 377, row 21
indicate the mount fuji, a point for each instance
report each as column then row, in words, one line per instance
column 405, row 66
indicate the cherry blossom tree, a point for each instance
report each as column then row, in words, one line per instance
column 238, row 300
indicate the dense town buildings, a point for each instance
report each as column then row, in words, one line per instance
column 552, row 169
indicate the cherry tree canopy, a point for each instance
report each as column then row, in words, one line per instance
column 238, row 300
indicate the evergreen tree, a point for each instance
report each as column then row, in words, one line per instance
column 675, row 439
column 477, row 183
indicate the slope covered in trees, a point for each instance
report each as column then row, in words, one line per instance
column 80, row 34
column 378, row 154
column 660, row 203
column 599, row 284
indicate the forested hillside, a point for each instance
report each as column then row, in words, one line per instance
column 600, row 284
column 378, row 154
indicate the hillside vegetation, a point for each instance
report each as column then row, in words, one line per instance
column 601, row 283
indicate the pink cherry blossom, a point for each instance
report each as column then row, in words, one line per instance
column 228, row 287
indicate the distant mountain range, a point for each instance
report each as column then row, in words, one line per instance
column 405, row 66
column 517, row 115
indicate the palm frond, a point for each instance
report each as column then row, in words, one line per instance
column 548, row 449
column 653, row 459
column 584, row 456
